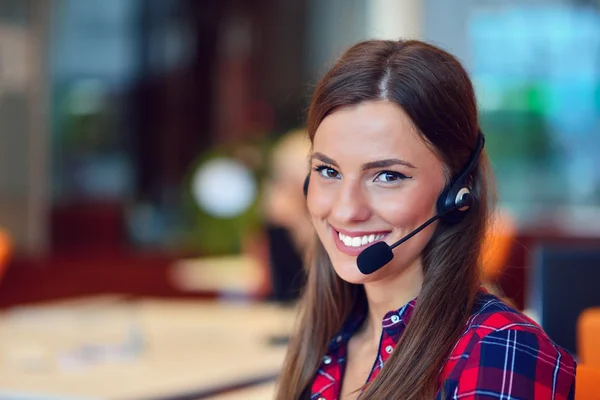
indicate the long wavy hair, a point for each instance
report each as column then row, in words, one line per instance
column 432, row 87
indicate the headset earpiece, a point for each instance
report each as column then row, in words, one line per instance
column 457, row 199
column 464, row 199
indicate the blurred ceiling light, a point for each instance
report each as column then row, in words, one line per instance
column 223, row 188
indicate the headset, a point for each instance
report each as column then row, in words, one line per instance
column 456, row 199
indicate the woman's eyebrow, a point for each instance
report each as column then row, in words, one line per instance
column 323, row 158
column 370, row 165
column 386, row 163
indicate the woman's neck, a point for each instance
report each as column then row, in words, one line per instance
column 390, row 294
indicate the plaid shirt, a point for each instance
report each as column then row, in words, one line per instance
column 502, row 354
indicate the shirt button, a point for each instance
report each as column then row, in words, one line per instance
column 395, row 318
column 321, row 398
column 327, row 360
column 389, row 349
column 338, row 339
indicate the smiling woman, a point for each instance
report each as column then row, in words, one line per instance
column 383, row 162
column 397, row 154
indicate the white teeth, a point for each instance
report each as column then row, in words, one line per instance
column 359, row 240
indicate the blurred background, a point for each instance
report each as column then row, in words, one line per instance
column 152, row 156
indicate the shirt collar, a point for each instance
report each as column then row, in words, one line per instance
column 391, row 321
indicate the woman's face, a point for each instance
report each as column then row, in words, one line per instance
column 372, row 178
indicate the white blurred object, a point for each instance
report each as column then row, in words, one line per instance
column 224, row 188
column 531, row 313
column 394, row 19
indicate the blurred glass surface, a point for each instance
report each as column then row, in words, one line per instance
column 537, row 74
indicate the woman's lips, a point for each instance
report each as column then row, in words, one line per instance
column 356, row 250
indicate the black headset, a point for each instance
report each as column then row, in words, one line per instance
column 456, row 198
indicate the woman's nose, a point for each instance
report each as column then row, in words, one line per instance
column 351, row 204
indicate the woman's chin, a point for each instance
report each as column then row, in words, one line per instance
column 348, row 271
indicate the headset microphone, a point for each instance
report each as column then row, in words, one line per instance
column 379, row 254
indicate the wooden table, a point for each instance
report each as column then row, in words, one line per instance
column 143, row 349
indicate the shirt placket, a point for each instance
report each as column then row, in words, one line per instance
column 392, row 328
column 330, row 374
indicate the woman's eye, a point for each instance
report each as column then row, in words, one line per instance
column 390, row 176
column 326, row 172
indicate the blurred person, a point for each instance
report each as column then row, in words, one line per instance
column 398, row 157
column 284, row 203
column 288, row 227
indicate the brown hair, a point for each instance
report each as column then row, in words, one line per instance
column 432, row 87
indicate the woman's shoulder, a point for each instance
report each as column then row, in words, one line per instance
column 494, row 322
column 491, row 314
column 500, row 341
column 491, row 317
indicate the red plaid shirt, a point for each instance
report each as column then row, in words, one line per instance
column 502, row 354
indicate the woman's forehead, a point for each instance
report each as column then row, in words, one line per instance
column 370, row 130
